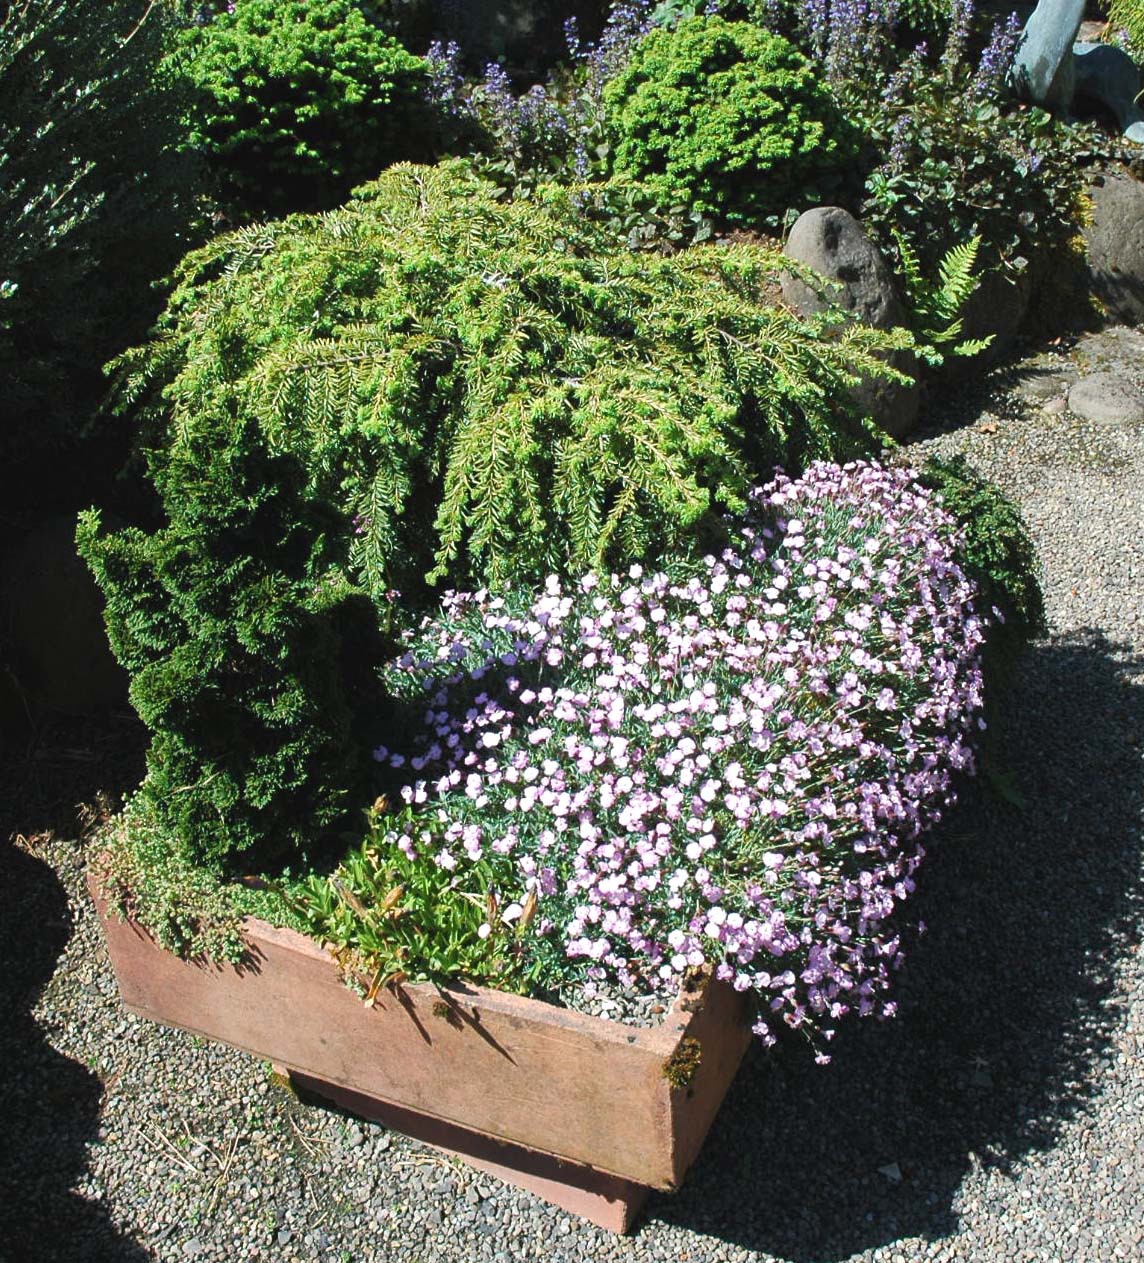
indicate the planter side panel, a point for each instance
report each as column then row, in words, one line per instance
column 720, row 1027
column 579, row 1088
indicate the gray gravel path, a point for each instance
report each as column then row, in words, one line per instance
column 1000, row 1117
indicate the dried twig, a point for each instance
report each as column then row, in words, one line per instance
column 220, row 1182
column 309, row 1144
column 162, row 1145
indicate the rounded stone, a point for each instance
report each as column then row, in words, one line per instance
column 1107, row 398
column 1115, row 245
column 834, row 244
column 831, row 242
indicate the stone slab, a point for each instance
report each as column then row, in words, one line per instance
column 1108, row 399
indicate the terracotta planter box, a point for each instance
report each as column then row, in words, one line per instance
column 577, row 1109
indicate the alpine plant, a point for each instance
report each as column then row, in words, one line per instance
column 729, row 762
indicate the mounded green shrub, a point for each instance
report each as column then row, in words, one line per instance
column 429, row 379
column 220, row 618
column 728, row 118
column 296, row 101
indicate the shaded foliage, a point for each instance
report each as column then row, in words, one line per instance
column 94, row 207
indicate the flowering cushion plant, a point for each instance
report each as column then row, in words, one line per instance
column 729, row 761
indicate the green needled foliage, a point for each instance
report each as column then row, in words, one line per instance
column 1128, row 16
column 220, row 619
column 294, row 102
column 728, row 118
column 428, row 379
column 486, row 389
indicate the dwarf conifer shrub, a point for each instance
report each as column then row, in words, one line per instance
column 727, row 118
column 295, row 101
column 427, row 380
column 220, row 617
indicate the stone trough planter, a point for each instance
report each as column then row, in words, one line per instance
column 585, row 1112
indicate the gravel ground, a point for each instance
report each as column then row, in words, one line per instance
column 1000, row 1117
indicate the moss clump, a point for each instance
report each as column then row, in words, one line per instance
column 682, row 1066
column 188, row 907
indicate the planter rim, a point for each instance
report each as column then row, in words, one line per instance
column 666, row 1032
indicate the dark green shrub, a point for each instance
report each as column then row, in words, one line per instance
column 997, row 552
column 727, row 118
column 220, row 619
column 94, row 207
column 428, row 378
column 296, row 101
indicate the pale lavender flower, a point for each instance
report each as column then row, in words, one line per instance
column 653, row 766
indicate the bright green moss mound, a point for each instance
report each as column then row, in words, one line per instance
column 728, row 118
column 296, row 101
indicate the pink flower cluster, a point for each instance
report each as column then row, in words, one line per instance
column 728, row 762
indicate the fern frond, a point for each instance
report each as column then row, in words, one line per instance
column 956, row 278
column 935, row 306
column 916, row 288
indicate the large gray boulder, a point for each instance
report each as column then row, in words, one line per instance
column 1051, row 67
column 1115, row 245
column 831, row 242
column 1107, row 75
column 1043, row 70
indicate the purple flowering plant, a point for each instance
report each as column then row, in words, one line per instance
column 956, row 159
column 728, row 761
column 552, row 128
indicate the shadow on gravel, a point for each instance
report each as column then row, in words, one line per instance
column 1009, row 1005
column 49, row 1104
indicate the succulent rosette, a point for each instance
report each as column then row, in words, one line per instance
column 729, row 761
